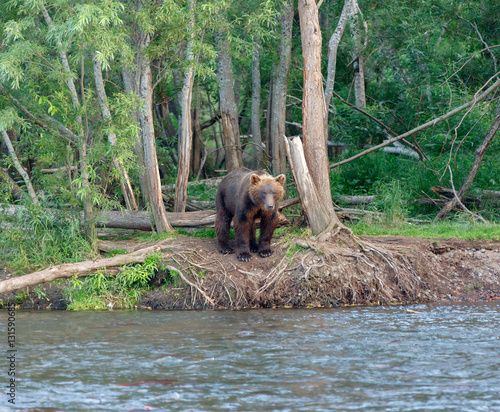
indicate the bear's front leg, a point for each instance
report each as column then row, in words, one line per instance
column 254, row 246
column 242, row 236
column 267, row 226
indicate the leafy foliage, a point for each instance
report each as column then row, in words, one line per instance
column 101, row 291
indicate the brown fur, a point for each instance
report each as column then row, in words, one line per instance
column 247, row 195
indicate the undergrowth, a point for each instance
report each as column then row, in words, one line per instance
column 38, row 238
column 100, row 290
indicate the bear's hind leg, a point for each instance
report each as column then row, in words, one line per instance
column 222, row 226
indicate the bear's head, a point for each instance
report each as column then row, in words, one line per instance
column 266, row 190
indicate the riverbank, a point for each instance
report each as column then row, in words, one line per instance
column 371, row 271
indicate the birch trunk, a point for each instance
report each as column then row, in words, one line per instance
column 128, row 192
column 357, row 55
column 278, row 111
column 228, row 108
column 20, row 169
column 333, row 46
column 196, row 155
column 185, row 130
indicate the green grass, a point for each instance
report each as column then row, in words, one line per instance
column 38, row 238
column 442, row 230
column 207, row 233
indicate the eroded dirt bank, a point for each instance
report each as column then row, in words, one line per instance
column 375, row 270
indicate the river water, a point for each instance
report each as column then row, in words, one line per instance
column 446, row 358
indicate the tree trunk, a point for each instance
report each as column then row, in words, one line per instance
column 128, row 192
column 132, row 88
column 333, row 46
column 228, row 108
column 19, row 167
column 268, row 153
column 148, row 141
column 357, row 55
column 313, row 106
column 256, row 103
column 317, row 215
column 185, row 130
column 278, row 111
column 197, row 128
column 478, row 158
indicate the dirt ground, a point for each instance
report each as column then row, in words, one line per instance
column 303, row 273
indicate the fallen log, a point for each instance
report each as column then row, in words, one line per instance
column 140, row 220
column 68, row 270
column 59, row 169
column 481, row 199
column 127, row 219
column 354, row 200
column 472, row 197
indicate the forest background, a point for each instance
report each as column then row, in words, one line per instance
column 107, row 105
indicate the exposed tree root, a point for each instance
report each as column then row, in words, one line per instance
column 343, row 270
column 338, row 269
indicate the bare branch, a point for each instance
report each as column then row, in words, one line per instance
column 424, row 126
column 19, row 167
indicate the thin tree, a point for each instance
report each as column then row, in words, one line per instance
column 256, row 106
column 185, row 131
column 333, row 46
column 358, row 65
column 128, row 192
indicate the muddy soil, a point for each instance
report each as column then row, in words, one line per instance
column 389, row 270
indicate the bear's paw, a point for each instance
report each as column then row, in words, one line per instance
column 265, row 252
column 244, row 256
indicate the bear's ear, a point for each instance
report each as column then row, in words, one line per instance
column 281, row 179
column 254, row 179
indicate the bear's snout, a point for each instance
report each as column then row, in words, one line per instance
column 270, row 206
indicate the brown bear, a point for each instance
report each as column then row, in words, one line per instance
column 247, row 195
